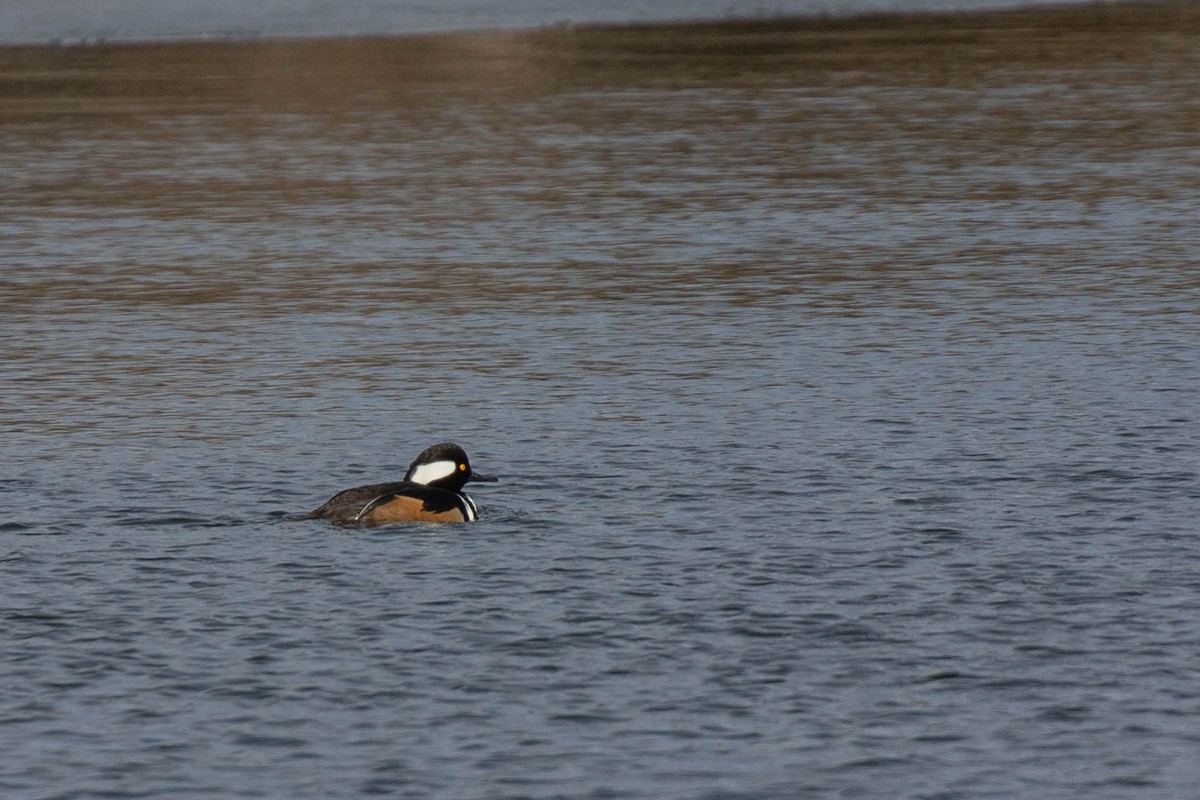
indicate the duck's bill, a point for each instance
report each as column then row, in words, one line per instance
column 475, row 476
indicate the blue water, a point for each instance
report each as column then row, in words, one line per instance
column 122, row 20
column 844, row 419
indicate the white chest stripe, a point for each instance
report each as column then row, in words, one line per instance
column 433, row 471
column 469, row 505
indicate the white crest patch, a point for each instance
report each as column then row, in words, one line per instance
column 433, row 471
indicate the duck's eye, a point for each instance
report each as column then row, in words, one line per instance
column 462, row 467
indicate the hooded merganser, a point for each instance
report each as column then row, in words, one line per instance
column 430, row 492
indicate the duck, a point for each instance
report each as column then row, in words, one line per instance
column 430, row 492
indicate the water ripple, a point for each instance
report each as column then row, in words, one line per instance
column 835, row 378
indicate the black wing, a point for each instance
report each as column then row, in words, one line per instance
column 347, row 504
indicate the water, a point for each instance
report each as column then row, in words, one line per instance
column 126, row 20
column 840, row 382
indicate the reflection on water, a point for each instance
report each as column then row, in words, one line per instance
column 837, row 374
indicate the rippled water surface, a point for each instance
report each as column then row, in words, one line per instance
column 840, row 379
column 140, row 20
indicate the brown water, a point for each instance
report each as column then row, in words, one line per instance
column 839, row 376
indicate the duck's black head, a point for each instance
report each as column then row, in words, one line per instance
column 444, row 466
